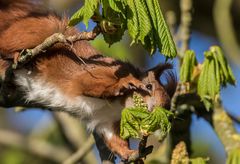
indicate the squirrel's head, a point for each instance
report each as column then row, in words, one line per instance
column 161, row 84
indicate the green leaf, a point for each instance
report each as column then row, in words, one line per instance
column 147, row 25
column 198, row 160
column 215, row 73
column 114, row 22
column 116, row 35
column 208, row 102
column 117, row 5
column 189, row 61
column 211, row 78
column 231, row 78
column 221, row 59
column 203, row 84
column 150, row 43
column 158, row 119
column 137, row 120
column 226, row 70
column 130, row 122
column 166, row 44
column 84, row 13
column 234, row 156
column 202, row 81
column 132, row 20
column 143, row 19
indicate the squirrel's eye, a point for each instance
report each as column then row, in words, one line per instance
column 149, row 86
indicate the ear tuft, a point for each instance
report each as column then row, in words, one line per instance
column 160, row 68
column 170, row 78
column 171, row 83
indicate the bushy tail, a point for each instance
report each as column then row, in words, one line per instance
column 25, row 24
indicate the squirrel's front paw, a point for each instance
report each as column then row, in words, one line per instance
column 138, row 156
column 127, row 154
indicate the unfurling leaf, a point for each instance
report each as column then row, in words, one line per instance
column 189, row 61
column 143, row 20
column 227, row 72
column 117, row 5
column 215, row 73
column 130, row 122
column 158, row 119
column 84, row 13
column 138, row 121
column 147, row 25
column 165, row 42
column 132, row 20
column 234, row 156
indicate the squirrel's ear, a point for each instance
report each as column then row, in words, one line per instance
column 170, row 82
column 160, row 68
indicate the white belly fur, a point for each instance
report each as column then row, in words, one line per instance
column 98, row 113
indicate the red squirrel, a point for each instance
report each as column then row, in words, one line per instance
column 96, row 91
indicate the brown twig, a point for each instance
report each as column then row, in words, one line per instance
column 27, row 54
column 143, row 151
column 142, row 144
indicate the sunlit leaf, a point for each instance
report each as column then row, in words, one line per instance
column 132, row 20
column 158, row 119
column 136, row 121
column 215, row 73
column 198, row 160
column 130, row 122
column 166, row 44
column 234, row 156
column 186, row 71
column 84, row 13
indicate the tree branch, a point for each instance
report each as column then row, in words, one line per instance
column 225, row 29
column 71, row 129
column 224, row 128
column 33, row 146
column 184, row 30
column 75, row 135
column 81, row 152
